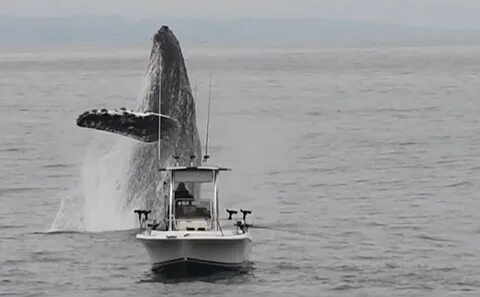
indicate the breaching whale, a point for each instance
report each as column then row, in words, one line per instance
column 143, row 184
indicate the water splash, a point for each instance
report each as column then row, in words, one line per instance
column 100, row 202
column 110, row 189
column 104, row 179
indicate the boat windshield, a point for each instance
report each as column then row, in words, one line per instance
column 190, row 209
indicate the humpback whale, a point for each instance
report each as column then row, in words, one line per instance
column 166, row 78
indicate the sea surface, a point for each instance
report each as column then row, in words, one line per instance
column 366, row 161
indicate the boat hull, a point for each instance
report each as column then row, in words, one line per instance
column 190, row 267
column 196, row 254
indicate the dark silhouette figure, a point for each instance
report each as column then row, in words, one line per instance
column 182, row 192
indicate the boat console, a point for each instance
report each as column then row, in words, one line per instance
column 193, row 215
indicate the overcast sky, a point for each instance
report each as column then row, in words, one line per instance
column 444, row 13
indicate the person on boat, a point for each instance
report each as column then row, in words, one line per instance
column 182, row 192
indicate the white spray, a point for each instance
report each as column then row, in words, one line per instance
column 101, row 202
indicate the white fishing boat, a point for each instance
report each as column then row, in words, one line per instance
column 192, row 240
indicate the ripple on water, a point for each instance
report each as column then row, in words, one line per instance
column 48, row 257
column 384, row 184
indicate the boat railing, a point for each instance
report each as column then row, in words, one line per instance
column 240, row 225
column 204, row 222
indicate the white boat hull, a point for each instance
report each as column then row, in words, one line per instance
column 194, row 250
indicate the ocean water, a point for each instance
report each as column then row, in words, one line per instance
column 367, row 160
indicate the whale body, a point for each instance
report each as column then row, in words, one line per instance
column 142, row 184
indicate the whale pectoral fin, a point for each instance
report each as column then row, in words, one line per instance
column 137, row 125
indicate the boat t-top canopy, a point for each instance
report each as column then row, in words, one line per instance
column 198, row 174
column 195, row 168
column 193, row 174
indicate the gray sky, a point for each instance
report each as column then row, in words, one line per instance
column 444, row 13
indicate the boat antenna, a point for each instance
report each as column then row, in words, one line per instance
column 206, row 156
column 159, row 127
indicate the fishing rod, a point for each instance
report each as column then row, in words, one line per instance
column 206, row 156
column 297, row 232
column 241, row 223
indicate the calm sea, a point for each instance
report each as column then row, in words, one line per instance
column 367, row 159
